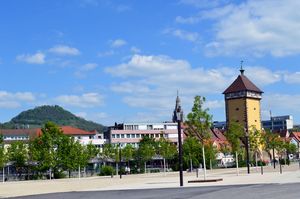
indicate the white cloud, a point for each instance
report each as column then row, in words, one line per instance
column 86, row 100
column 182, row 34
column 64, row 50
column 292, row 78
column 203, row 3
column 84, row 69
column 37, row 58
column 188, row 20
column 263, row 76
column 106, row 53
column 284, row 104
column 151, row 82
column 257, row 28
column 135, row 50
column 15, row 100
column 118, row 43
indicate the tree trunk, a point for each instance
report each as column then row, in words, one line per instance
column 256, row 163
column 210, row 164
column 3, row 177
column 237, row 163
column 117, row 168
column 145, row 164
column 204, row 164
column 191, row 164
column 164, row 166
column 79, row 172
column 69, row 173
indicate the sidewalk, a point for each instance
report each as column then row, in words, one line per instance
column 291, row 174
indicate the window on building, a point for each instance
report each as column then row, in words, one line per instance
column 113, row 136
column 122, row 136
column 149, row 127
column 137, row 135
column 127, row 135
column 156, row 135
column 132, row 135
column 118, row 135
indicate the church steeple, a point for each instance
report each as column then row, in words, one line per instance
column 177, row 109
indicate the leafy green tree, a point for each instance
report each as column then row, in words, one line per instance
column 47, row 148
column 191, row 151
column 272, row 142
column 128, row 153
column 198, row 124
column 17, row 153
column 146, row 150
column 3, row 157
column 111, row 151
column 233, row 135
column 166, row 149
column 256, row 141
column 210, row 154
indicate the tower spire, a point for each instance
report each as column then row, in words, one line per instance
column 242, row 70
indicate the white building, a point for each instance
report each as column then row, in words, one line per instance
column 132, row 133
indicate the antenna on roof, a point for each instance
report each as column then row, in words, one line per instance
column 242, row 70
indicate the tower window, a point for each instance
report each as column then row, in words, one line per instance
column 255, row 120
column 237, row 109
column 237, row 121
column 254, row 108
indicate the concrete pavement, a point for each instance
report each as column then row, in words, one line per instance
column 291, row 174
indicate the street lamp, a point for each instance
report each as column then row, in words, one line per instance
column 120, row 158
column 247, row 150
column 178, row 116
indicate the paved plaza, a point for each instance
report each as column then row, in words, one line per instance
column 270, row 179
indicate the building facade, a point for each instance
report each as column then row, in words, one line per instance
column 24, row 135
column 242, row 103
column 279, row 123
column 132, row 133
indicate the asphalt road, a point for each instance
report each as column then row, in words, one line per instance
column 262, row 191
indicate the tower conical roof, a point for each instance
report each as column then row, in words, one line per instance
column 242, row 83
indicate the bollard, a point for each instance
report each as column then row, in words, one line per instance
column 197, row 172
column 262, row 170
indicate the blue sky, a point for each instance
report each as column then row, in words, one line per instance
column 123, row 61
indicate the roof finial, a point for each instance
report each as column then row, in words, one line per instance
column 242, row 70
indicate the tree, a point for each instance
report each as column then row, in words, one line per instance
column 17, row 153
column 127, row 153
column 146, row 150
column 48, row 147
column 270, row 142
column 3, row 157
column 111, row 151
column 166, row 149
column 191, row 151
column 198, row 124
column 233, row 135
column 210, row 154
column 256, row 141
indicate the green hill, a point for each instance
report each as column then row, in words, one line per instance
column 38, row 116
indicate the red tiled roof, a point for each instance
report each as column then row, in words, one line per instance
column 242, row 83
column 29, row 132
column 296, row 135
column 69, row 130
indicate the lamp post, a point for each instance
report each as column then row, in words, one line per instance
column 247, row 151
column 178, row 115
column 120, row 158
